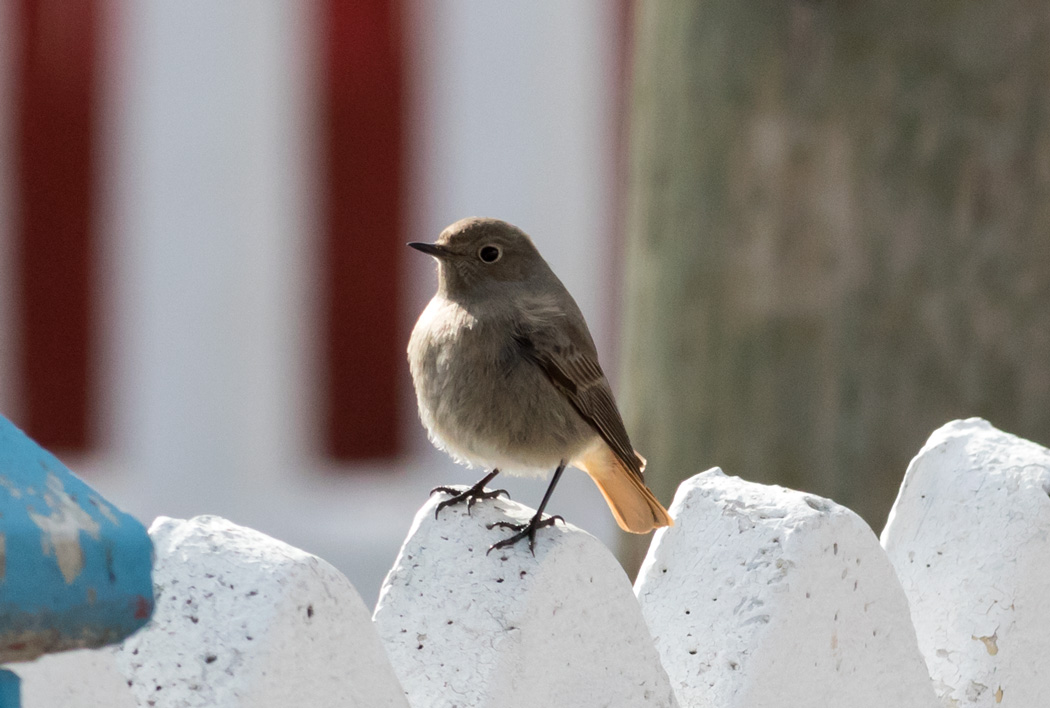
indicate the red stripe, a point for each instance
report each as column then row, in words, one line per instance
column 55, row 153
column 362, row 141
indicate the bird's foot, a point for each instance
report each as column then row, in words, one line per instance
column 471, row 496
column 527, row 530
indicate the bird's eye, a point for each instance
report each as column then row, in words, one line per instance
column 490, row 254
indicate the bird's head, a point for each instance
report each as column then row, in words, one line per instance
column 478, row 256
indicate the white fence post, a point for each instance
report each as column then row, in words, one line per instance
column 470, row 629
column 761, row 596
column 969, row 536
column 245, row 620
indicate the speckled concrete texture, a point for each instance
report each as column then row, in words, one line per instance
column 969, row 536
column 245, row 620
column 466, row 629
column 761, row 596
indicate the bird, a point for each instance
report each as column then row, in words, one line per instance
column 507, row 378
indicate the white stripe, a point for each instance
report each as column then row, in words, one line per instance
column 208, row 117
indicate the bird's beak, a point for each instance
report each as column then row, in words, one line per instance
column 431, row 249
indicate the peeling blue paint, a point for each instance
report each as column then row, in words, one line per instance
column 74, row 570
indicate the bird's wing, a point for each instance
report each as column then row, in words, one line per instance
column 573, row 369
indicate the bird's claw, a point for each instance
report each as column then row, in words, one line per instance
column 526, row 530
column 471, row 496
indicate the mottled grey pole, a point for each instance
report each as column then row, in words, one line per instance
column 838, row 236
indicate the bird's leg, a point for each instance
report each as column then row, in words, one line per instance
column 528, row 530
column 470, row 496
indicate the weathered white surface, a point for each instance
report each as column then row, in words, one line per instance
column 85, row 678
column 508, row 630
column 969, row 536
column 242, row 619
column 763, row 596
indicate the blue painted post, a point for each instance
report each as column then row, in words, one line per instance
column 75, row 571
column 10, row 689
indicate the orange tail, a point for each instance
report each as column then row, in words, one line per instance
column 634, row 506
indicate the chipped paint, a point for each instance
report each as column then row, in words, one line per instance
column 970, row 577
column 61, row 528
column 105, row 510
column 11, row 487
column 990, row 643
column 74, row 569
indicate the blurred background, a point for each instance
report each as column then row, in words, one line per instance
column 804, row 234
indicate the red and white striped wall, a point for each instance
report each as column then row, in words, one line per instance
column 204, row 290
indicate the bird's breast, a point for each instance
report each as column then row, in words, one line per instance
column 482, row 400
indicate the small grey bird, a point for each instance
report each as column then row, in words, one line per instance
column 507, row 377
